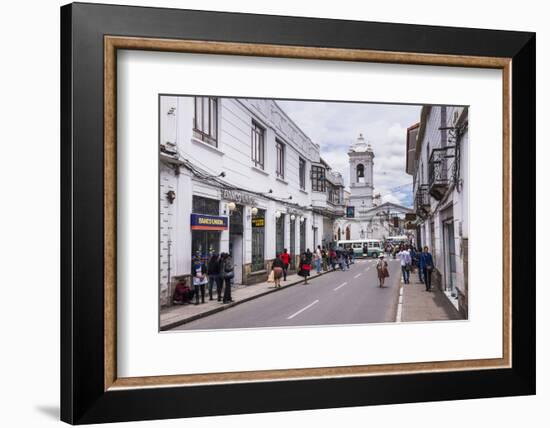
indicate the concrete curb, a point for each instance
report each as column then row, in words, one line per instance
column 224, row 307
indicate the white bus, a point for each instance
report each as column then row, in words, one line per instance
column 363, row 247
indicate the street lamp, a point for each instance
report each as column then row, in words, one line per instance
column 231, row 206
column 278, row 214
column 293, row 217
column 254, row 211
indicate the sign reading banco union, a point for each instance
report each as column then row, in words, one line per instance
column 208, row 222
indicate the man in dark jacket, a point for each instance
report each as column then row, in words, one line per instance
column 228, row 273
column 213, row 270
column 426, row 263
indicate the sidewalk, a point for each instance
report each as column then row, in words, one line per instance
column 176, row 315
column 420, row 305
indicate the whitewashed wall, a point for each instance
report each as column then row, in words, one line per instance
column 458, row 206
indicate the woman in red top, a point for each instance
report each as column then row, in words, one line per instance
column 285, row 258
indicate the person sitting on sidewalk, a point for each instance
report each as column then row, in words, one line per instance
column 182, row 293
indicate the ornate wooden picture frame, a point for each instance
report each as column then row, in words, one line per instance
column 91, row 390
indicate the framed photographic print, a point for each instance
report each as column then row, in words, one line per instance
column 291, row 213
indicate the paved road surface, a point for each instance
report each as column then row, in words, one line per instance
column 349, row 297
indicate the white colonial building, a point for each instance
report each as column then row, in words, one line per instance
column 437, row 160
column 239, row 176
column 365, row 217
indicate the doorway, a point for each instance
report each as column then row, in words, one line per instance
column 236, row 229
column 236, row 251
column 450, row 256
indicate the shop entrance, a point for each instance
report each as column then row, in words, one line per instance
column 450, row 256
column 236, row 243
column 236, row 251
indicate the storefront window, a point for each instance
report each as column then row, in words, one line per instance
column 206, row 206
column 205, row 242
column 258, row 240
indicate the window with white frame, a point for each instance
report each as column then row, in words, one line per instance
column 318, row 178
column 302, row 173
column 258, row 141
column 280, row 167
column 205, row 121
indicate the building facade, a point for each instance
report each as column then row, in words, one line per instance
column 379, row 222
column 440, row 183
column 238, row 176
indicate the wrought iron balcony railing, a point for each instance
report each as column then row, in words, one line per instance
column 422, row 200
column 441, row 169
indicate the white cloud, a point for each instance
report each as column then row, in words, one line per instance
column 391, row 198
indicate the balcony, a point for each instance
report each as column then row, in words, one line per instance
column 335, row 178
column 441, row 167
column 422, row 200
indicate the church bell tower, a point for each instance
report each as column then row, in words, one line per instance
column 361, row 175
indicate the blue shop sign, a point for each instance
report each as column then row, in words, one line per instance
column 208, row 222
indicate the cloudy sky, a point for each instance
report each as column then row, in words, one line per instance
column 335, row 126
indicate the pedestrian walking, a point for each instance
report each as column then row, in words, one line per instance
column 304, row 267
column 405, row 261
column 285, row 258
column 277, row 271
column 351, row 255
column 332, row 257
column 382, row 270
column 318, row 257
column 309, row 257
column 200, row 279
column 228, row 274
column 341, row 260
column 214, row 276
column 324, row 256
column 426, row 264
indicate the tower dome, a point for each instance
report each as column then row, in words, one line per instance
column 361, row 145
